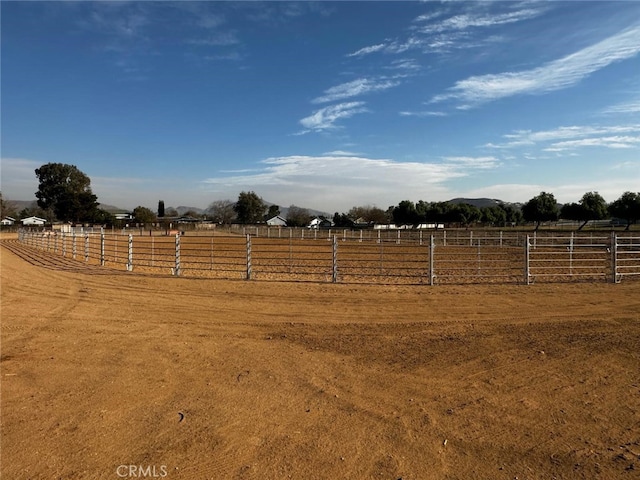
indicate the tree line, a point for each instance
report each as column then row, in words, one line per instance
column 64, row 194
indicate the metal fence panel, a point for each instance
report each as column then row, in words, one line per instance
column 363, row 256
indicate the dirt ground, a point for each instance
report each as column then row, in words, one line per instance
column 107, row 374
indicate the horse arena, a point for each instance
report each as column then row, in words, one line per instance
column 308, row 355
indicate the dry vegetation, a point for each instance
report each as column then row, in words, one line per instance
column 216, row 379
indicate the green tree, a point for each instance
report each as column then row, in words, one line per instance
column 627, row 207
column 143, row 215
column 65, row 192
column 591, row 207
column 437, row 212
column 161, row 208
column 541, row 208
column 494, row 216
column 514, row 214
column 102, row 217
column 274, row 211
column 405, row 213
column 342, row 220
column 465, row 214
column 249, row 208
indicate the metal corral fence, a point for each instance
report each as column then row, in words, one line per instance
column 402, row 256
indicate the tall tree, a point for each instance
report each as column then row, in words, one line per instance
column 405, row 213
column 66, row 192
column 161, row 208
column 541, row 208
column 591, row 207
column 627, row 207
column 250, row 208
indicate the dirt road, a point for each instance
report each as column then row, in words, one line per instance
column 108, row 375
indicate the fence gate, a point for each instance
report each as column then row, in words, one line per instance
column 570, row 257
column 626, row 258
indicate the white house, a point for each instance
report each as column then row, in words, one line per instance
column 7, row 221
column 277, row 221
column 319, row 223
column 33, row 221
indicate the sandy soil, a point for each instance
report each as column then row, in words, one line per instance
column 107, row 374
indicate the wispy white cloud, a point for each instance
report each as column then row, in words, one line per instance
column 573, row 136
column 360, row 86
column 433, row 33
column 607, row 142
column 219, row 39
column 326, row 118
column 341, row 153
column 475, row 20
column 426, row 113
column 628, row 107
column 555, row 75
column 368, row 50
column 480, row 163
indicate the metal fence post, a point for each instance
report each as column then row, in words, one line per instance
column 130, row 254
column 102, row 249
column 248, row 257
column 86, row 247
column 73, row 246
column 614, row 257
column 432, row 250
column 527, row 270
column 176, row 270
column 334, row 260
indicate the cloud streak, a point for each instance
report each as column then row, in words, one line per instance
column 326, row 118
column 360, row 86
column 565, row 138
column 558, row 74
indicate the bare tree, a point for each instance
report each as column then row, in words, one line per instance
column 221, row 211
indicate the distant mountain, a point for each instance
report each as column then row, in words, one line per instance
column 111, row 208
column 284, row 211
column 482, row 202
column 182, row 210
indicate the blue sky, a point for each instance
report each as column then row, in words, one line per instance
column 326, row 105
